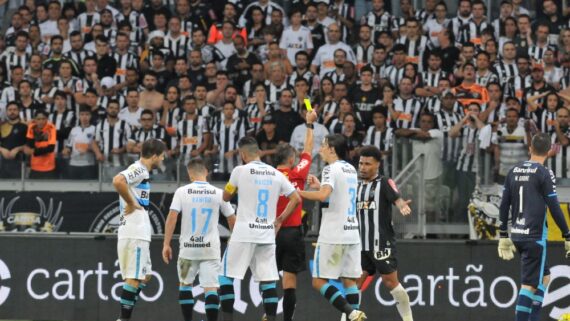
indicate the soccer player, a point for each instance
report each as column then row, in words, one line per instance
column 252, row 244
column 338, row 246
column 133, row 186
column 200, row 204
column 374, row 199
column 529, row 189
column 290, row 246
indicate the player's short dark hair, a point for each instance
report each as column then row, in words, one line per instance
column 283, row 152
column 338, row 143
column 248, row 145
column 152, row 147
column 371, row 151
column 541, row 144
column 197, row 165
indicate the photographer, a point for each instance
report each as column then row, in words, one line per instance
column 41, row 140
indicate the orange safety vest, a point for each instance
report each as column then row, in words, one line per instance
column 215, row 34
column 474, row 93
column 46, row 162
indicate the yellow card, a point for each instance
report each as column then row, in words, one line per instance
column 308, row 104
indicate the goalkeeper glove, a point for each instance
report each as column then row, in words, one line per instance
column 506, row 247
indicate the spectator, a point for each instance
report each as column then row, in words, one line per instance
column 240, row 63
column 468, row 130
column 27, row 104
column 111, row 137
column 428, row 141
column 257, row 108
column 407, row 108
column 380, row 135
column 266, row 5
column 40, row 146
column 515, row 86
column 511, row 145
column 276, row 57
column 414, row 42
column 395, row 72
column 150, row 98
column 296, row 38
column 366, row 96
column 277, row 82
column 106, row 64
column 324, row 58
column 12, row 142
column 538, row 85
column 79, row 148
column 147, row 130
column 257, row 77
column 353, row 137
column 469, row 92
column 63, row 119
column 226, row 45
column 472, row 31
column 299, row 134
column 193, row 131
column 286, row 117
column 484, row 75
column 558, row 155
column 267, row 139
column 544, row 115
column 227, row 130
column 446, row 119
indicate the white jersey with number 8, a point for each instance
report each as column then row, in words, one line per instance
column 339, row 223
column 258, row 188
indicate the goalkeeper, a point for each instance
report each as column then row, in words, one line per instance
column 529, row 188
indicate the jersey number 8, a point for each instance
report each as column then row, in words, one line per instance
column 262, row 198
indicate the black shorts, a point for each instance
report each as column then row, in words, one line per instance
column 290, row 251
column 533, row 262
column 383, row 262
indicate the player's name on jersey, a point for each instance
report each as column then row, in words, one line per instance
column 135, row 171
column 254, row 171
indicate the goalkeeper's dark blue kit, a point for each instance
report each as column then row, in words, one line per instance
column 529, row 189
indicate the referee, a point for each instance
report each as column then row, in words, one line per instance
column 529, row 189
column 374, row 199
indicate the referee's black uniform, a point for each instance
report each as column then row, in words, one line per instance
column 374, row 201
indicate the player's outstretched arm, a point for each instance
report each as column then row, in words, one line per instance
column 309, row 140
column 121, row 186
column 321, row 195
column 169, row 231
column 404, row 206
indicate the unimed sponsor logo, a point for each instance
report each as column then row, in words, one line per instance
column 4, row 275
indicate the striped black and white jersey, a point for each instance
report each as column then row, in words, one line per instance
column 103, row 101
column 178, row 46
column 329, row 108
column 75, row 85
column 378, row 71
column 12, row 59
column 457, row 24
column 487, row 78
column 113, row 136
column 111, row 34
column 139, row 24
column 363, row 54
column 254, row 117
column 415, row 49
column 410, row 110
column 334, row 76
column 536, row 52
column 226, row 138
column 308, row 75
column 565, row 80
column 374, row 201
column 559, row 163
column 499, row 114
column 506, row 71
column 140, row 135
column 471, row 32
column 423, row 16
column 467, row 161
column 383, row 139
column 431, row 78
column 451, row 145
column 40, row 93
column 532, row 91
column 274, row 92
column 378, row 23
column 124, row 61
column 9, row 94
column 173, row 116
column 190, row 134
column 433, row 105
column 79, row 56
column 27, row 112
column 63, row 122
column 346, row 10
column 86, row 21
column 516, row 86
column 394, row 74
column 543, row 119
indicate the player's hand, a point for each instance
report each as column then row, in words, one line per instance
column 130, row 208
column 277, row 226
column 313, row 182
column 506, row 249
column 166, row 253
column 404, row 207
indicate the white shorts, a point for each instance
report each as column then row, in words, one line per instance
column 337, row 260
column 207, row 270
column 134, row 258
column 260, row 258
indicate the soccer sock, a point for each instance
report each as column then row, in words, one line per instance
column 289, row 303
column 212, row 305
column 142, row 286
column 353, row 297
column 403, row 302
column 128, row 297
column 186, row 300
column 227, row 297
column 270, row 299
column 537, row 303
column 335, row 298
column 524, row 304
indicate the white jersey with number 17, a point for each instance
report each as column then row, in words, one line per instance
column 339, row 223
column 258, row 188
column 200, row 205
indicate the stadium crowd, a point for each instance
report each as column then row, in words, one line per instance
column 88, row 82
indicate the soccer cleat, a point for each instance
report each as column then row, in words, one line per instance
column 343, row 317
column 357, row 316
